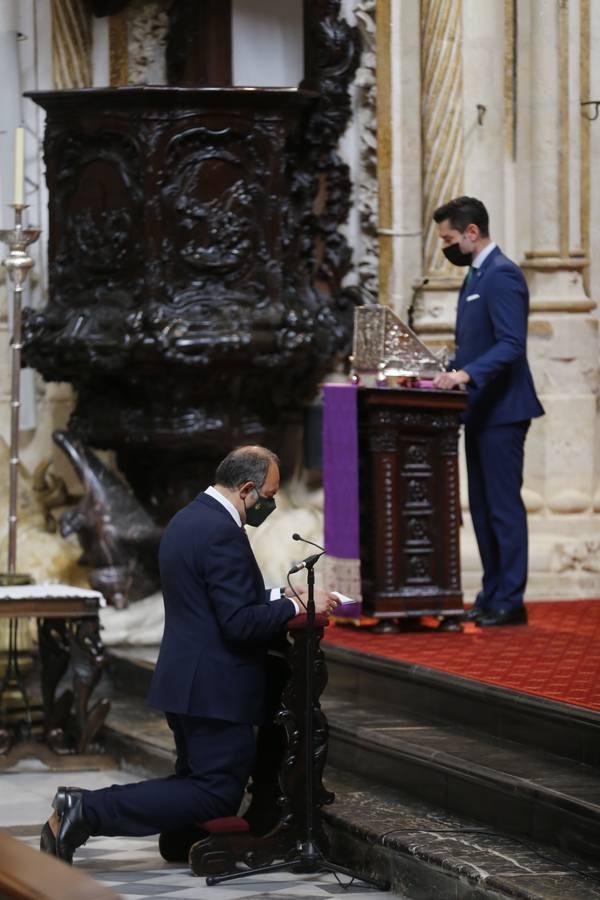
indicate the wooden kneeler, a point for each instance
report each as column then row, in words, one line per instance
column 214, row 847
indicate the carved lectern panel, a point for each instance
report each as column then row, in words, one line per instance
column 409, row 500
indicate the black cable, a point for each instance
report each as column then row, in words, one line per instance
column 343, row 884
column 295, row 592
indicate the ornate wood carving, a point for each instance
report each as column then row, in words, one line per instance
column 368, row 189
column 332, row 54
column 409, row 501
column 196, row 262
column 118, row 538
column 70, row 722
column 69, row 644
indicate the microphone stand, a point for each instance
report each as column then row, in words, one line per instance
column 308, row 858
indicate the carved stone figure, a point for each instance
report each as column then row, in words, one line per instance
column 118, row 537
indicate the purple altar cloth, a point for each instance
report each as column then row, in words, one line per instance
column 341, row 499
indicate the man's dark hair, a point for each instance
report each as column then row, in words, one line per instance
column 464, row 211
column 245, row 464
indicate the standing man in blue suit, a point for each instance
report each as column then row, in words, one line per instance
column 491, row 362
column 210, row 675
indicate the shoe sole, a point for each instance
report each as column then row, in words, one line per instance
column 47, row 840
column 47, row 837
column 58, row 804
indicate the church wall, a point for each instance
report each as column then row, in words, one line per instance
column 522, row 148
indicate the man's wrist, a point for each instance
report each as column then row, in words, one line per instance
column 292, row 600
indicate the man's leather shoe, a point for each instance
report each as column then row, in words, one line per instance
column 516, row 616
column 73, row 830
column 474, row 614
column 450, row 623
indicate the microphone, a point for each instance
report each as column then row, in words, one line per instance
column 297, row 537
column 306, row 563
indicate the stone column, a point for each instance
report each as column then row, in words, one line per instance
column 71, row 44
column 442, row 154
column 562, row 455
column 59, row 54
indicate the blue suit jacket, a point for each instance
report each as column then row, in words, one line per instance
column 218, row 618
column 491, row 344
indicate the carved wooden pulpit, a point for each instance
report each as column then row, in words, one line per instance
column 195, row 258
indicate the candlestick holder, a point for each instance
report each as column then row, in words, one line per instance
column 18, row 264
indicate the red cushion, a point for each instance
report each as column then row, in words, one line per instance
column 227, row 825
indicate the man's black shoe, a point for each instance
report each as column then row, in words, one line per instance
column 73, row 830
column 474, row 614
column 450, row 623
column 516, row 616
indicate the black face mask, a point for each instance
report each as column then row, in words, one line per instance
column 454, row 254
column 263, row 508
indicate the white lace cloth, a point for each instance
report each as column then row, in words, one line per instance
column 48, row 592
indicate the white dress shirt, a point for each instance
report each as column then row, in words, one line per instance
column 483, row 255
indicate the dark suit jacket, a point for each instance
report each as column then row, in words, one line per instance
column 218, row 618
column 491, row 344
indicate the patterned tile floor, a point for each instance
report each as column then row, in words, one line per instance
column 132, row 866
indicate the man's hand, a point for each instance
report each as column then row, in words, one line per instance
column 325, row 603
column 448, row 380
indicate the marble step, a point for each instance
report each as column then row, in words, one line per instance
column 561, row 728
column 426, row 851
column 515, row 785
column 505, row 784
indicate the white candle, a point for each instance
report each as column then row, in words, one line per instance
column 19, row 165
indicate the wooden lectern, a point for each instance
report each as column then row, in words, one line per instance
column 407, row 445
column 409, row 501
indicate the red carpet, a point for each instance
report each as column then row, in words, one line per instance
column 556, row 656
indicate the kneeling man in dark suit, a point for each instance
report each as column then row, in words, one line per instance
column 491, row 361
column 210, row 675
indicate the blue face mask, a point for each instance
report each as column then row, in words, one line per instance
column 263, row 508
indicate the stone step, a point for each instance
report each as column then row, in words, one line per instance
column 130, row 669
column 424, row 850
column 560, row 728
column 138, row 737
column 505, row 784
column 512, row 785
